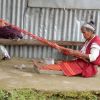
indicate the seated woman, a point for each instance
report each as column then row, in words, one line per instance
column 7, row 32
column 87, row 58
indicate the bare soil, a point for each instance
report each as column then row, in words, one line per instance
column 19, row 73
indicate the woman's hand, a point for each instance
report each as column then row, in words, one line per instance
column 80, row 55
column 76, row 53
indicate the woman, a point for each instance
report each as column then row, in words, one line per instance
column 87, row 58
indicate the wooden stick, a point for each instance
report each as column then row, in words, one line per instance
column 38, row 43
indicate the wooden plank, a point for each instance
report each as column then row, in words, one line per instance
column 69, row 4
column 20, row 42
column 35, row 42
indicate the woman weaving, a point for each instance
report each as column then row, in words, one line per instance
column 87, row 58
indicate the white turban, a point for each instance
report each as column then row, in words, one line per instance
column 89, row 26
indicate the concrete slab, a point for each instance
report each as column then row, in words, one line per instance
column 14, row 75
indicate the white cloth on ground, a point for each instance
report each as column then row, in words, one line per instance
column 3, row 51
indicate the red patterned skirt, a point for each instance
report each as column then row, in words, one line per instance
column 74, row 67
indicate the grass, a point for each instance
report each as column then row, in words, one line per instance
column 32, row 94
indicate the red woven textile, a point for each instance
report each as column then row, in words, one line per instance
column 74, row 67
column 69, row 68
column 52, row 44
column 56, row 67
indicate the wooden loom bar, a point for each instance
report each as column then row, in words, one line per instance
column 35, row 42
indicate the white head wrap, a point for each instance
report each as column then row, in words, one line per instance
column 89, row 26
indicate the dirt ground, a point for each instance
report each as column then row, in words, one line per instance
column 19, row 73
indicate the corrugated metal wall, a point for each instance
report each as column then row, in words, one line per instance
column 49, row 23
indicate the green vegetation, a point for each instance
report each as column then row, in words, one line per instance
column 32, row 94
